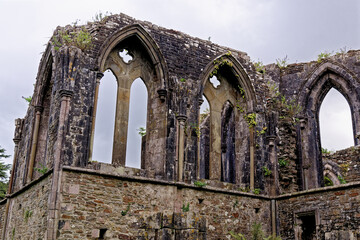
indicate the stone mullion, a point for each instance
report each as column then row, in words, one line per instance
column 181, row 122
column 198, row 141
column 306, row 174
column 215, row 144
column 252, row 157
column 38, row 110
column 237, row 146
column 99, row 75
column 121, row 126
column 274, row 182
column 304, row 162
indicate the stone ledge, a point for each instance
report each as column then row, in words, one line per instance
column 319, row 190
column 29, row 185
column 163, row 182
column 184, row 185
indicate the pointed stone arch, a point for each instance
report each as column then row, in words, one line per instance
column 345, row 82
column 232, row 78
column 148, row 64
column 45, row 70
column 238, row 71
column 332, row 171
column 41, row 102
column 147, row 41
column 326, row 76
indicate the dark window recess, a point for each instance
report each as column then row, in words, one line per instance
column 205, row 143
column 228, row 144
column 102, row 233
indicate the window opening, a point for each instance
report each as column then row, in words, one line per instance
column 105, row 119
column 228, row 144
column 214, row 81
column 136, row 137
column 102, row 233
column 328, row 181
column 125, row 55
column 44, row 124
column 308, row 227
column 204, row 138
column 335, row 122
column 332, row 175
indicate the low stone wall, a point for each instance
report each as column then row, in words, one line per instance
column 97, row 205
column 335, row 211
column 28, row 211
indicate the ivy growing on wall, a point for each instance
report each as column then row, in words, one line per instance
column 79, row 38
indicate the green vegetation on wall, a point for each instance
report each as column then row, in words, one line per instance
column 3, row 173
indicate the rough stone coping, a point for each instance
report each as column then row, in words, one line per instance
column 146, row 24
column 184, row 185
column 32, row 183
column 2, row 202
column 119, row 170
column 164, row 182
column 319, row 190
column 343, row 151
column 130, row 171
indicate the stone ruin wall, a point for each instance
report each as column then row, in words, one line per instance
column 185, row 57
column 292, row 83
column 71, row 74
column 335, row 211
column 345, row 163
column 2, row 215
column 97, row 202
column 29, row 211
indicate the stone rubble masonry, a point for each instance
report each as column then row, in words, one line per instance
column 336, row 210
column 29, row 211
column 94, row 199
column 2, row 214
column 348, row 162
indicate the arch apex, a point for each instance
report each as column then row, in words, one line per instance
column 148, row 43
column 238, row 71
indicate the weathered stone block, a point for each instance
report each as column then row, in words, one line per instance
column 166, row 234
column 168, row 219
column 190, row 234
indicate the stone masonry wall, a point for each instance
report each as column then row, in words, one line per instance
column 28, row 212
column 185, row 57
column 288, row 157
column 293, row 77
column 19, row 170
column 91, row 202
column 2, row 216
column 302, row 145
column 336, row 209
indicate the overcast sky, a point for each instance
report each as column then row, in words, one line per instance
column 265, row 29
